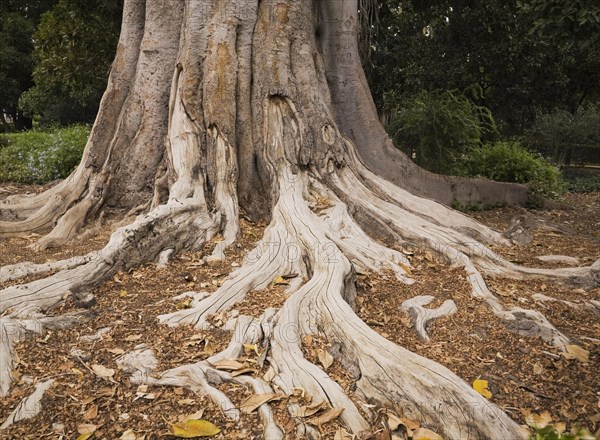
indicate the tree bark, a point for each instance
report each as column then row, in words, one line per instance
column 215, row 107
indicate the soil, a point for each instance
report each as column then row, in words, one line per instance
column 525, row 375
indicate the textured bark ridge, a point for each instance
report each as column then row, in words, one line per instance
column 215, row 107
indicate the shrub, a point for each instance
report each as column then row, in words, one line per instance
column 582, row 180
column 41, row 156
column 436, row 129
column 508, row 161
column 564, row 134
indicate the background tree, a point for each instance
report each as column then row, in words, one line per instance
column 74, row 45
column 18, row 21
column 495, row 45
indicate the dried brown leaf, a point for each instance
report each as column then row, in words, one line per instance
column 254, row 401
column 310, row 410
column 328, row 416
column 91, row 413
column 325, row 358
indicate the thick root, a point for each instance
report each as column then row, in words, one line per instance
column 202, row 377
column 421, row 315
column 30, row 406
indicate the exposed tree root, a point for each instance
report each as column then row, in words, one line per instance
column 30, row 406
column 317, row 239
column 421, row 315
column 202, row 377
column 21, row 270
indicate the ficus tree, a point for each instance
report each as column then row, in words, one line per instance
column 216, row 108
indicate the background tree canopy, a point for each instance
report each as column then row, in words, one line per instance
column 55, row 57
column 524, row 61
column 447, row 76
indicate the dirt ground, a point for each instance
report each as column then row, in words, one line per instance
column 525, row 375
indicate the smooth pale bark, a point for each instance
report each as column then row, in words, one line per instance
column 219, row 108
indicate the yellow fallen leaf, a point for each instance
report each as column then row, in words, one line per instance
column 85, row 436
column 123, row 293
column 193, row 429
column 481, row 386
column 406, row 268
column 280, row 281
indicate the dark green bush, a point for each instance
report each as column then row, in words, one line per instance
column 41, row 156
column 437, row 129
column 582, row 180
column 509, row 162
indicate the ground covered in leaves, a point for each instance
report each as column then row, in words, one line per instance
column 525, row 376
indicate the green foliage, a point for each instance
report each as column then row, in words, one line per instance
column 582, row 180
column 560, row 132
column 18, row 21
column 550, row 432
column 438, row 128
column 510, row 162
column 565, row 19
column 41, row 156
column 74, row 47
column 452, row 44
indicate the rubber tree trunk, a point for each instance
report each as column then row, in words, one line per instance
column 215, row 107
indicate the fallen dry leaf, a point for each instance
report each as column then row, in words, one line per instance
column 325, row 358
column 128, row 435
column 269, row 375
column 115, row 350
column 196, row 416
column 102, row 371
column 193, row 429
column 254, row 401
column 576, row 352
column 538, row 421
column 91, row 413
column 229, row 365
column 426, row 434
column 307, row 411
column 481, row 386
column 86, row 428
column 341, row 434
column 326, row 417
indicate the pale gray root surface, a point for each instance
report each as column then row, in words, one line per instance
column 421, row 315
column 571, row 261
column 21, row 270
column 30, row 406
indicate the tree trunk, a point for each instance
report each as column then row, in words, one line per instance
column 219, row 106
